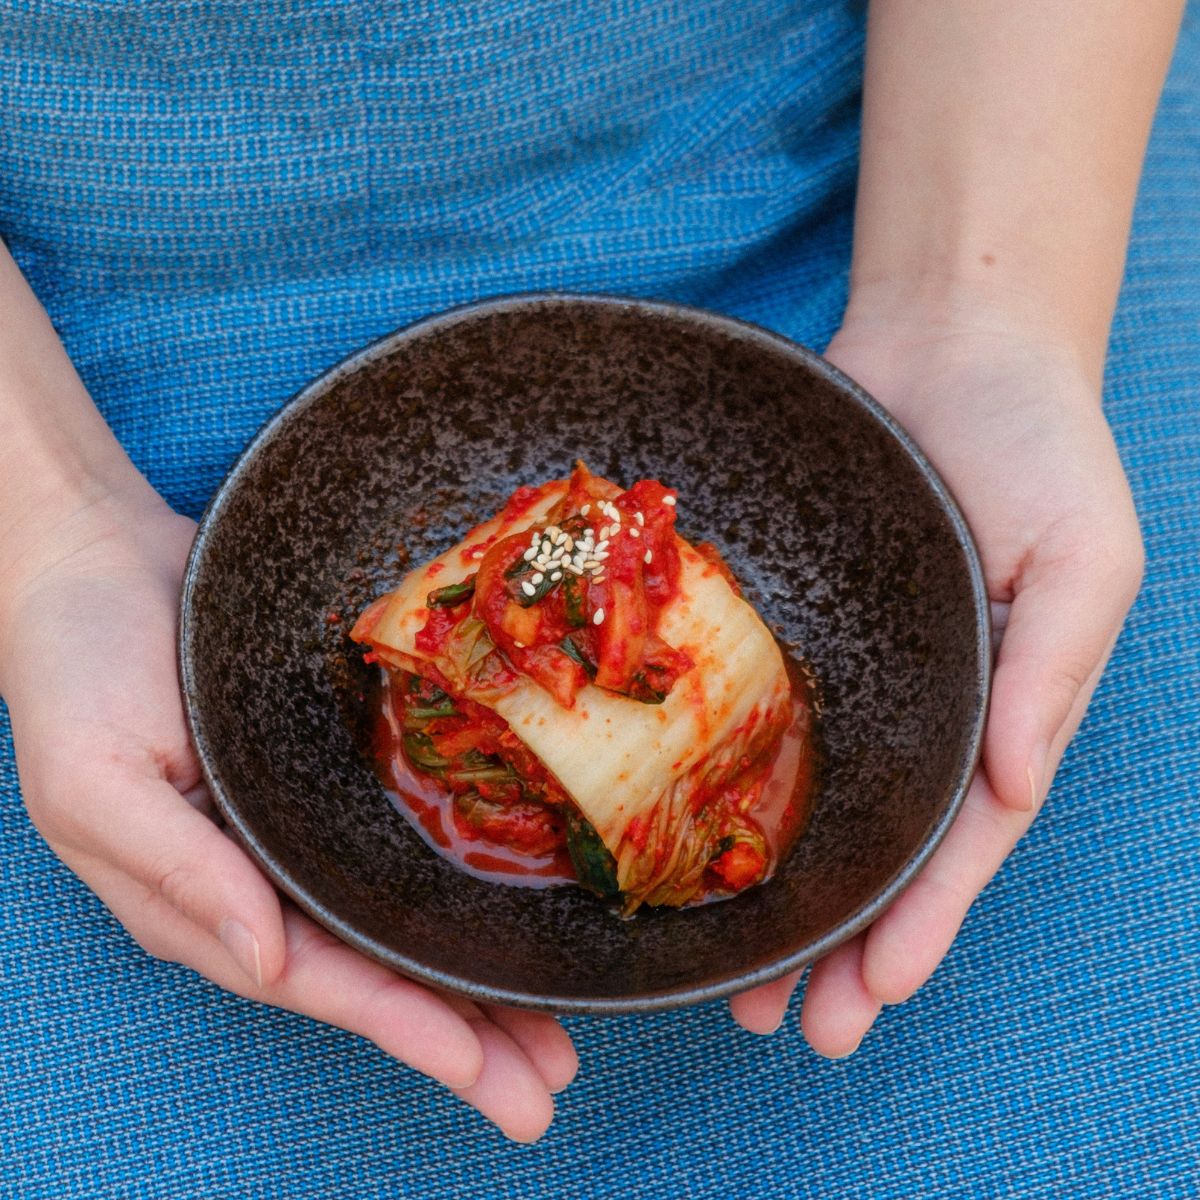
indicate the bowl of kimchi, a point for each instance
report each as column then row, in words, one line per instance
column 586, row 653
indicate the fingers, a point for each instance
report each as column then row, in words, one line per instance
column 542, row 1039
column 322, row 978
column 144, row 829
column 838, row 1007
column 761, row 1009
column 449, row 1039
column 178, row 892
column 1052, row 655
column 509, row 1091
column 328, row 980
column 899, row 953
column 1060, row 631
column 906, row 944
column 480, row 1062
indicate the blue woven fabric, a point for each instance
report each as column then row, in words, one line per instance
column 217, row 200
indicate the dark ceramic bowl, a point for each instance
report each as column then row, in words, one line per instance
column 846, row 541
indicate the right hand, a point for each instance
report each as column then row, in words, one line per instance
column 109, row 777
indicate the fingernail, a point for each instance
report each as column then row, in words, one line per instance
column 455, row 1078
column 773, row 1029
column 242, row 946
column 1036, row 774
column 842, row 1054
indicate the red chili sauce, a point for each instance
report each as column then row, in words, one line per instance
column 574, row 601
column 526, row 846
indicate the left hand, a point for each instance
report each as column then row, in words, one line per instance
column 110, row 779
column 1012, row 421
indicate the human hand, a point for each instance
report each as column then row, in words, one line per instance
column 87, row 667
column 1012, row 421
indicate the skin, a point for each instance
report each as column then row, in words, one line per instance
column 1002, row 144
column 91, row 561
column 988, row 250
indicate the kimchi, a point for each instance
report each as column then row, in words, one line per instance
column 587, row 691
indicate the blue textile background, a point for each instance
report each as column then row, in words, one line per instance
column 217, row 200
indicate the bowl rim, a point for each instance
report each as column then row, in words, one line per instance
column 648, row 1000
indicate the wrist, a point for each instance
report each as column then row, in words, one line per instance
column 62, row 515
column 899, row 315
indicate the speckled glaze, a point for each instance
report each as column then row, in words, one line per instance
column 846, row 540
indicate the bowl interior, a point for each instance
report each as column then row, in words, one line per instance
column 844, row 541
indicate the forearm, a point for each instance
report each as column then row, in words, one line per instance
column 59, row 462
column 1002, row 144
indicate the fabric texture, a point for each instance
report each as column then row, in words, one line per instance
column 216, row 201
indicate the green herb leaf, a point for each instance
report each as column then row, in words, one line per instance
column 419, row 750
column 540, row 591
column 572, row 650
column 595, row 867
column 521, row 566
column 451, row 594
column 641, row 688
column 573, row 599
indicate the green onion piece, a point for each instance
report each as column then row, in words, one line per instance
column 495, row 774
column 428, row 714
column 520, row 566
column 420, row 751
column 595, row 867
column 475, row 758
column 451, row 594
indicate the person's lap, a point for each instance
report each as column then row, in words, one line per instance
column 1064, row 1024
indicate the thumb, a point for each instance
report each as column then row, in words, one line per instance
column 1061, row 629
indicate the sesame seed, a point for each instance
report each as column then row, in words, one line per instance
column 528, row 588
column 591, row 564
column 587, row 508
column 589, row 533
column 537, row 578
column 519, row 645
column 476, row 553
column 530, row 554
column 648, row 557
column 669, row 500
column 598, row 617
column 634, row 533
column 602, row 545
column 555, row 576
column 568, row 542
column 641, row 520
column 573, row 568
